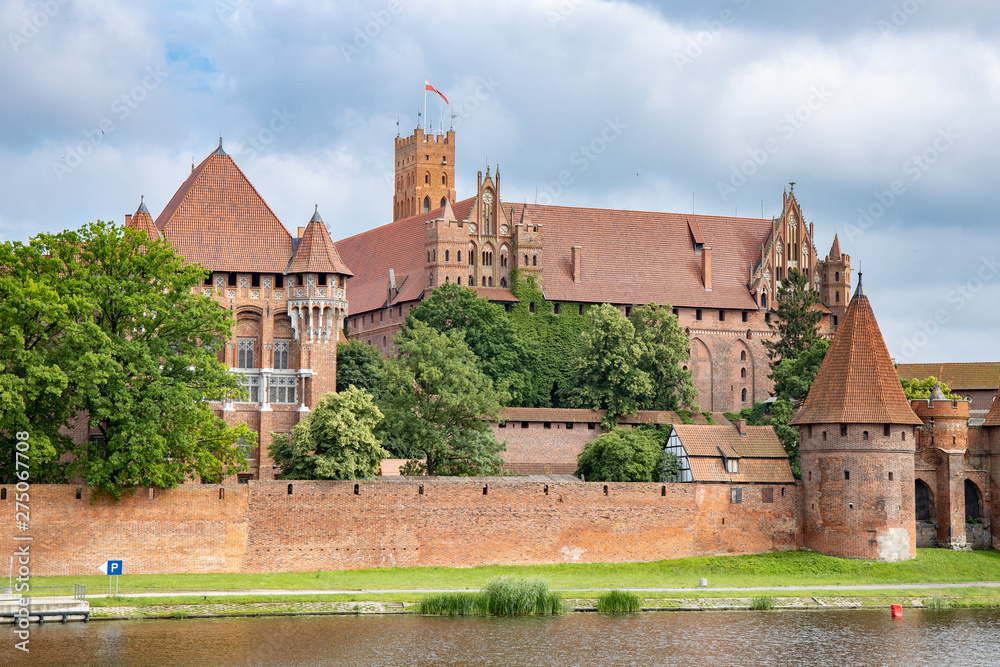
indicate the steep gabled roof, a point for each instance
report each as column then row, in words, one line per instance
column 835, row 249
column 219, row 220
column 857, row 383
column 398, row 246
column 642, row 256
column 315, row 252
column 958, row 376
column 142, row 220
column 993, row 417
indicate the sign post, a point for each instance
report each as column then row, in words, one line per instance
column 112, row 568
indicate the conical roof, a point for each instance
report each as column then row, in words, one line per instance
column 219, row 220
column 316, row 252
column 144, row 221
column 835, row 249
column 857, row 383
column 993, row 418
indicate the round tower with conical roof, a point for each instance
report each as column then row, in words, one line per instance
column 857, row 441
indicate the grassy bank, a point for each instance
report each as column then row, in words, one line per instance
column 760, row 571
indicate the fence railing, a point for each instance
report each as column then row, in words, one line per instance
column 76, row 591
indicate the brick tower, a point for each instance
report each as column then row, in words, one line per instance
column 425, row 173
column 942, row 445
column 835, row 281
column 992, row 427
column 857, row 439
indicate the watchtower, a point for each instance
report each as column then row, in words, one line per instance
column 425, row 173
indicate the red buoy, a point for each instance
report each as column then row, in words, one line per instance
column 897, row 610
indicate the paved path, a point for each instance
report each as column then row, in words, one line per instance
column 380, row 591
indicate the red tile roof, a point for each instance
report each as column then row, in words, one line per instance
column 634, row 257
column 316, row 252
column 398, row 246
column 993, row 417
column 835, row 248
column 857, row 384
column 144, row 221
column 958, row 376
column 760, row 441
column 219, row 220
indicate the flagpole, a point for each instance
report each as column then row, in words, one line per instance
column 425, row 105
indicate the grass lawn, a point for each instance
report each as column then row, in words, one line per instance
column 781, row 569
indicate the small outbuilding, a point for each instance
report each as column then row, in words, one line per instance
column 737, row 453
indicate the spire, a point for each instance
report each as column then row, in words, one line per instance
column 316, row 217
column 219, row 151
column 860, row 291
column 857, row 382
column 143, row 221
column 834, row 249
column 142, row 206
column 936, row 393
column 316, row 252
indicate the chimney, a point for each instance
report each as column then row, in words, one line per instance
column 577, row 264
column 128, row 219
column 741, row 426
column 706, row 267
column 302, row 232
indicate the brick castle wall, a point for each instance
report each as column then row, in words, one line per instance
column 260, row 527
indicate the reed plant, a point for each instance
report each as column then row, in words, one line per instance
column 618, row 601
column 503, row 596
column 454, row 604
column 763, row 603
column 937, row 603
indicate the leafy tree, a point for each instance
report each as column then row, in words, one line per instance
column 793, row 377
column 921, row 389
column 502, row 354
column 436, row 403
column 360, row 365
column 667, row 350
column 776, row 414
column 132, row 337
column 797, row 321
column 336, row 441
column 624, row 365
column 623, row 455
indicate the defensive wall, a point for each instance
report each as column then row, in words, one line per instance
column 270, row 526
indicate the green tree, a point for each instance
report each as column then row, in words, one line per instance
column 501, row 353
column 775, row 414
column 793, row 377
column 335, row 441
column 921, row 389
column 436, row 403
column 623, row 455
column 798, row 320
column 360, row 365
column 134, row 346
column 667, row 351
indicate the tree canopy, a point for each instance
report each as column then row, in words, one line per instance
column 794, row 376
column 624, row 365
column 335, row 441
column 360, row 364
column 436, row 402
column 501, row 353
column 626, row 455
column 111, row 326
column 921, row 389
column 798, row 321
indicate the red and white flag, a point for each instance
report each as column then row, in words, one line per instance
column 428, row 86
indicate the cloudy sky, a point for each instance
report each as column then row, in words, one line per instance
column 885, row 114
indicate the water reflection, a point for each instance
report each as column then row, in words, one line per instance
column 953, row 637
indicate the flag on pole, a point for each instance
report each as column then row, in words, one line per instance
column 428, row 86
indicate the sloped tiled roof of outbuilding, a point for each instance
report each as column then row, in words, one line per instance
column 752, row 471
column 760, row 441
column 857, row 383
column 959, row 376
column 219, row 220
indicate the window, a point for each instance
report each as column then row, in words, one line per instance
column 743, row 395
column 447, row 255
column 843, row 430
column 531, row 307
column 746, row 316
column 743, row 356
column 890, row 476
column 557, row 308
column 547, row 425
column 444, row 202
column 864, row 435
column 904, row 436
column 458, row 256
column 534, row 260
column 232, row 280
column 283, row 389
column 281, row 354
column 732, row 466
column 837, row 297
column 847, row 474
column 886, row 430
column 743, row 371
column 525, row 260
column 484, row 281
column 427, row 204
column 736, row 495
column 628, row 310
column 836, row 276
column 569, row 426
column 251, row 385
column 767, row 317
column 824, row 438
column 444, row 179
column 243, row 478
column 697, row 314
column 767, row 495
column 835, row 318
column 245, row 354
column 427, row 178
column 722, row 316
column 581, row 309
column 279, row 281
column 591, row 425
column 524, row 424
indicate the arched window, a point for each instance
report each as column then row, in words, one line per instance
column 472, row 281
column 503, row 282
column 446, row 254
column 743, row 355
column 836, row 276
column 743, row 372
column 427, row 204
column 484, row 281
column 444, row 179
column 743, row 395
column 763, row 299
column 923, row 501
column 458, row 256
column 837, row 297
column 427, row 179
column 525, row 260
column 534, row 260
column 491, row 281
column 444, row 202
column 459, row 280
column 431, row 280
column 447, row 279
column 973, row 501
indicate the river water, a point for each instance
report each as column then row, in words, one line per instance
column 829, row 637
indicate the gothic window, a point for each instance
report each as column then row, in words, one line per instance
column 503, row 282
column 245, row 356
column 484, row 281
column 283, row 389
column 459, row 280
column 281, row 354
column 525, row 260
column 534, row 260
column 743, row 396
column 446, row 255
column 427, row 178
column 836, row 276
column 743, row 371
column 472, row 281
column 491, row 281
column 251, row 385
column 427, row 204
column 444, row 179
column 444, row 202
column 431, row 280
column 837, row 299
column 458, row 256
column 743, row 356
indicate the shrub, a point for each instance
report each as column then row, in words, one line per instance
column 763, row 603
column 622, row 455
column 510, row 596
column 454, row 604
column 618, row 601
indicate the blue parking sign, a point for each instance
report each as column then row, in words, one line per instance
column 111, row 567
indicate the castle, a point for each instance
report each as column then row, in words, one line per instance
column 880, row 475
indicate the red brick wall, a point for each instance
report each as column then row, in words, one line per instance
column 261, row 528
